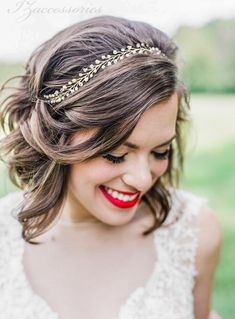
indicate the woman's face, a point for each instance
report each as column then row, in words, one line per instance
column 86, row 203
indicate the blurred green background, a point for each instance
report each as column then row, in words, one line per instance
column 207, row 60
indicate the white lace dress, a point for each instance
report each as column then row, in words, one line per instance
column 167, row 294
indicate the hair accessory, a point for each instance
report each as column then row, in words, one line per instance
column 88, row 72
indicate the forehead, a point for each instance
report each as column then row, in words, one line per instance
column 157, row 123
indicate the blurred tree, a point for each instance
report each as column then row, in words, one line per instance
column 208, row 56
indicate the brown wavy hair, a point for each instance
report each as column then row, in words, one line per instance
column 36, row 146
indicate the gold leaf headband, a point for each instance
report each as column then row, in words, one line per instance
column 89, row 72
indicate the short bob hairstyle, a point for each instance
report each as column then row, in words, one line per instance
column 36, row 146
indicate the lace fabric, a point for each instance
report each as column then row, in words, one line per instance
column 167, row 294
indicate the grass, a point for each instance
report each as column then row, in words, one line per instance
column 212, row 174
column 5, row 186
column 7, row 71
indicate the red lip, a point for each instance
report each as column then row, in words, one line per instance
column 125, row 193
column 117, row 202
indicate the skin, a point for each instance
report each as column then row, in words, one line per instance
column 86, row 206
column 206, row 261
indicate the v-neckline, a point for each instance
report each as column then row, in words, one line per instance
column 42, row 303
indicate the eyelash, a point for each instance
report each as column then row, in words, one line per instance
column 120, row 159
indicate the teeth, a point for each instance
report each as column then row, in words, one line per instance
column 115, row 194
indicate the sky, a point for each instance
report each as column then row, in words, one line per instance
column 25, row 24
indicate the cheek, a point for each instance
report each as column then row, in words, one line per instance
column 161, row 167
column 93, row 172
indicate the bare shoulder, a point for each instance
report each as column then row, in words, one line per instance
column 209, row 239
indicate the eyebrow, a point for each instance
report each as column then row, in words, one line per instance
column 136, row 147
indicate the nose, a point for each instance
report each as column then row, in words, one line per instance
column 139, row 176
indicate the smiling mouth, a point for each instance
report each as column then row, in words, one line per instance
column 118, row 199
column 120, row 192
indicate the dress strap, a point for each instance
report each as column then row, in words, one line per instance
column 177, row 239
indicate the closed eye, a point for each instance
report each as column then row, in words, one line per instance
column 163, row 155
column 120, row 159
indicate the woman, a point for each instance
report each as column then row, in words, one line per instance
column 100, row 228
